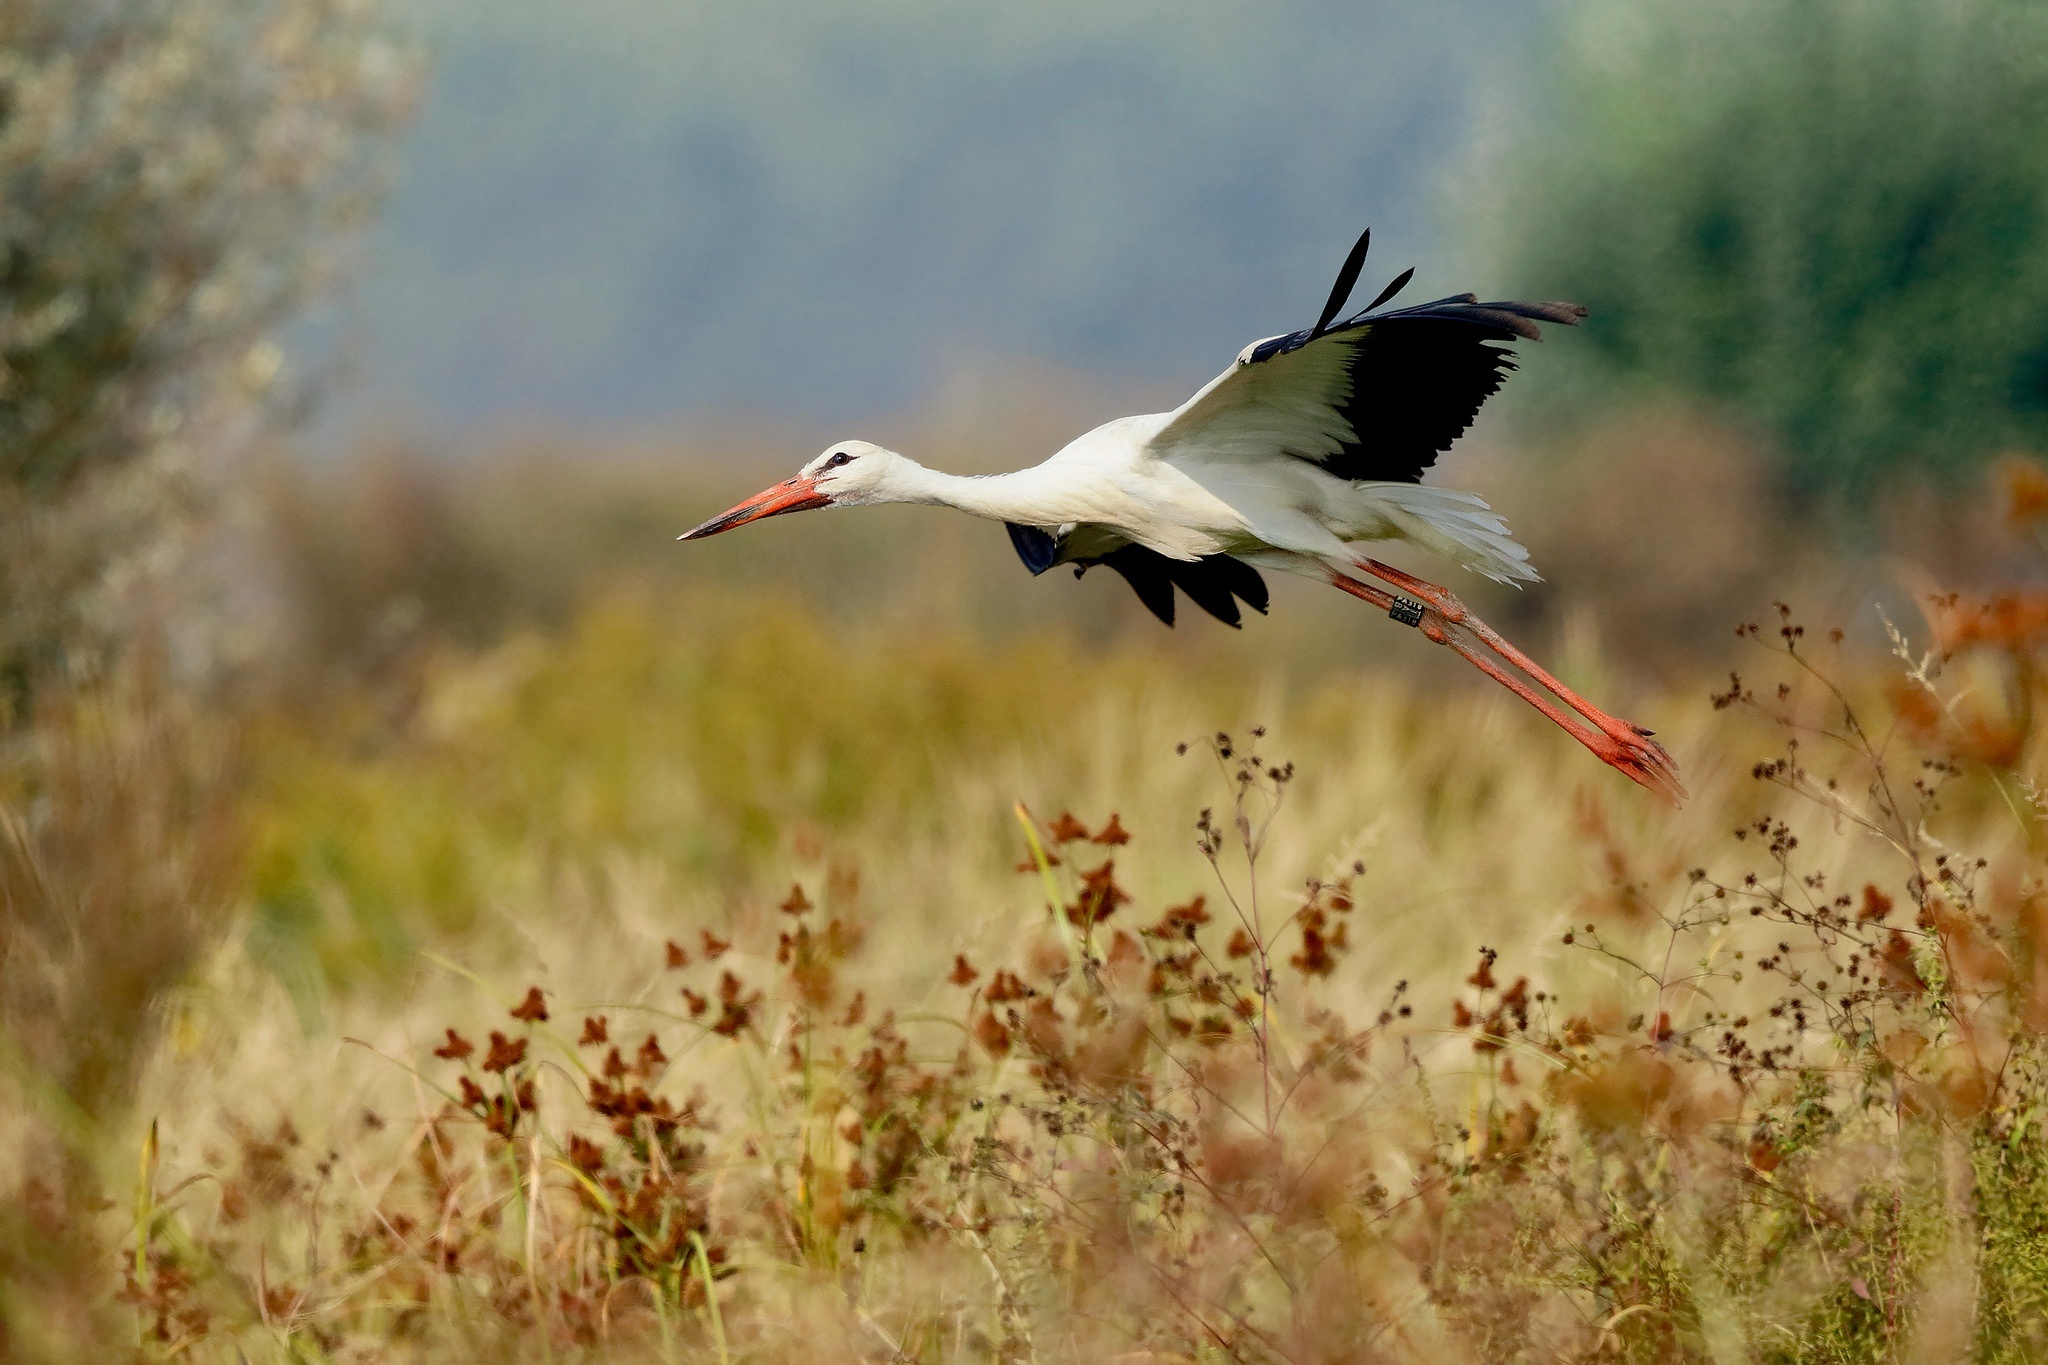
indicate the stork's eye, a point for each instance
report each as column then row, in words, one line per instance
column 839, row 458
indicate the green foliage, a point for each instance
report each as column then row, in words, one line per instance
column 174, row 176
column 1827, row 216
column 170, row 175
column 2010, row 1163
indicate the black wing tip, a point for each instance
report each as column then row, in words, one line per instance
column 1563, row 314
column 1347, row 279
column 1398, row 283
column 1503, row 319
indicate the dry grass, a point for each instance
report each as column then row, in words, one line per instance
column 681, row 976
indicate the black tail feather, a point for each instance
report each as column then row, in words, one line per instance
column 1206, row 591
column 1144, row 571
column 1215, row 583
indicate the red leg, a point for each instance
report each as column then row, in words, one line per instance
column 1449, row 622
column 1446, row 602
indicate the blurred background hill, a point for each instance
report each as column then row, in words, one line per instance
column 639, row 210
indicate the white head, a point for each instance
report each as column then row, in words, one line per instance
column 847, row 474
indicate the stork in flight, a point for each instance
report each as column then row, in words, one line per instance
column 1308, row 448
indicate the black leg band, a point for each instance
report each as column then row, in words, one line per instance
column 1407, row 611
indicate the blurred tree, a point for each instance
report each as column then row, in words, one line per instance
column 1827, row 216
column 175, row 176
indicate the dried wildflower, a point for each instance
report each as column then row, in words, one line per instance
column 1483, row 977
column 500, row 1117
column 1876, row 905
column 1066, row 829
column 678, row 955
column 797, row 903
column 736, row 1009
column 650, row 1058
column 585, row 1155
column 1005, row 986
column 1900, row 974
column 615, row 1067
column 714, row 946
column 842, row 938
column 1100, row 896
column 1315, row 958
column 990, row 1032
column 533, row 1009
column 1125, row 956
column 595, row 1031
column 963, row 973
column 1241, row 944
column 472, row 1093
column 697, row 1004
column 856, row 1011
column 1181, row 921
column 1112, row 833
column 505, row 1052
column 1042, row 1027
column 456, row 1048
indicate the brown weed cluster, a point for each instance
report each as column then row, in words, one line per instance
column 1790, row 1114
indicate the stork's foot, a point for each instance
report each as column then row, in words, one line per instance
column 1630, row 749
column 1619, row 744
column 1444, row 619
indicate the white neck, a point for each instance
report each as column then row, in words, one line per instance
column 1029, row 496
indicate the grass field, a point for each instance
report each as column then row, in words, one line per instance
column 762, row 963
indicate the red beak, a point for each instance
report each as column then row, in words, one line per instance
column 794, row 495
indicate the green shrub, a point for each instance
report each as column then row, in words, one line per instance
column 1827, row 217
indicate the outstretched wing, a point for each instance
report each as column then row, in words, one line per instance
column 1215, row 583
column 1377, row 396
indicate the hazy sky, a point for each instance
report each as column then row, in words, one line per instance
column 635, row 210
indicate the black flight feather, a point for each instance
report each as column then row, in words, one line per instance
column 1399, row 283
column 1340, row 292
column 1418, row 376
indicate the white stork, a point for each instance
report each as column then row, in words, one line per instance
column 1310, row 446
